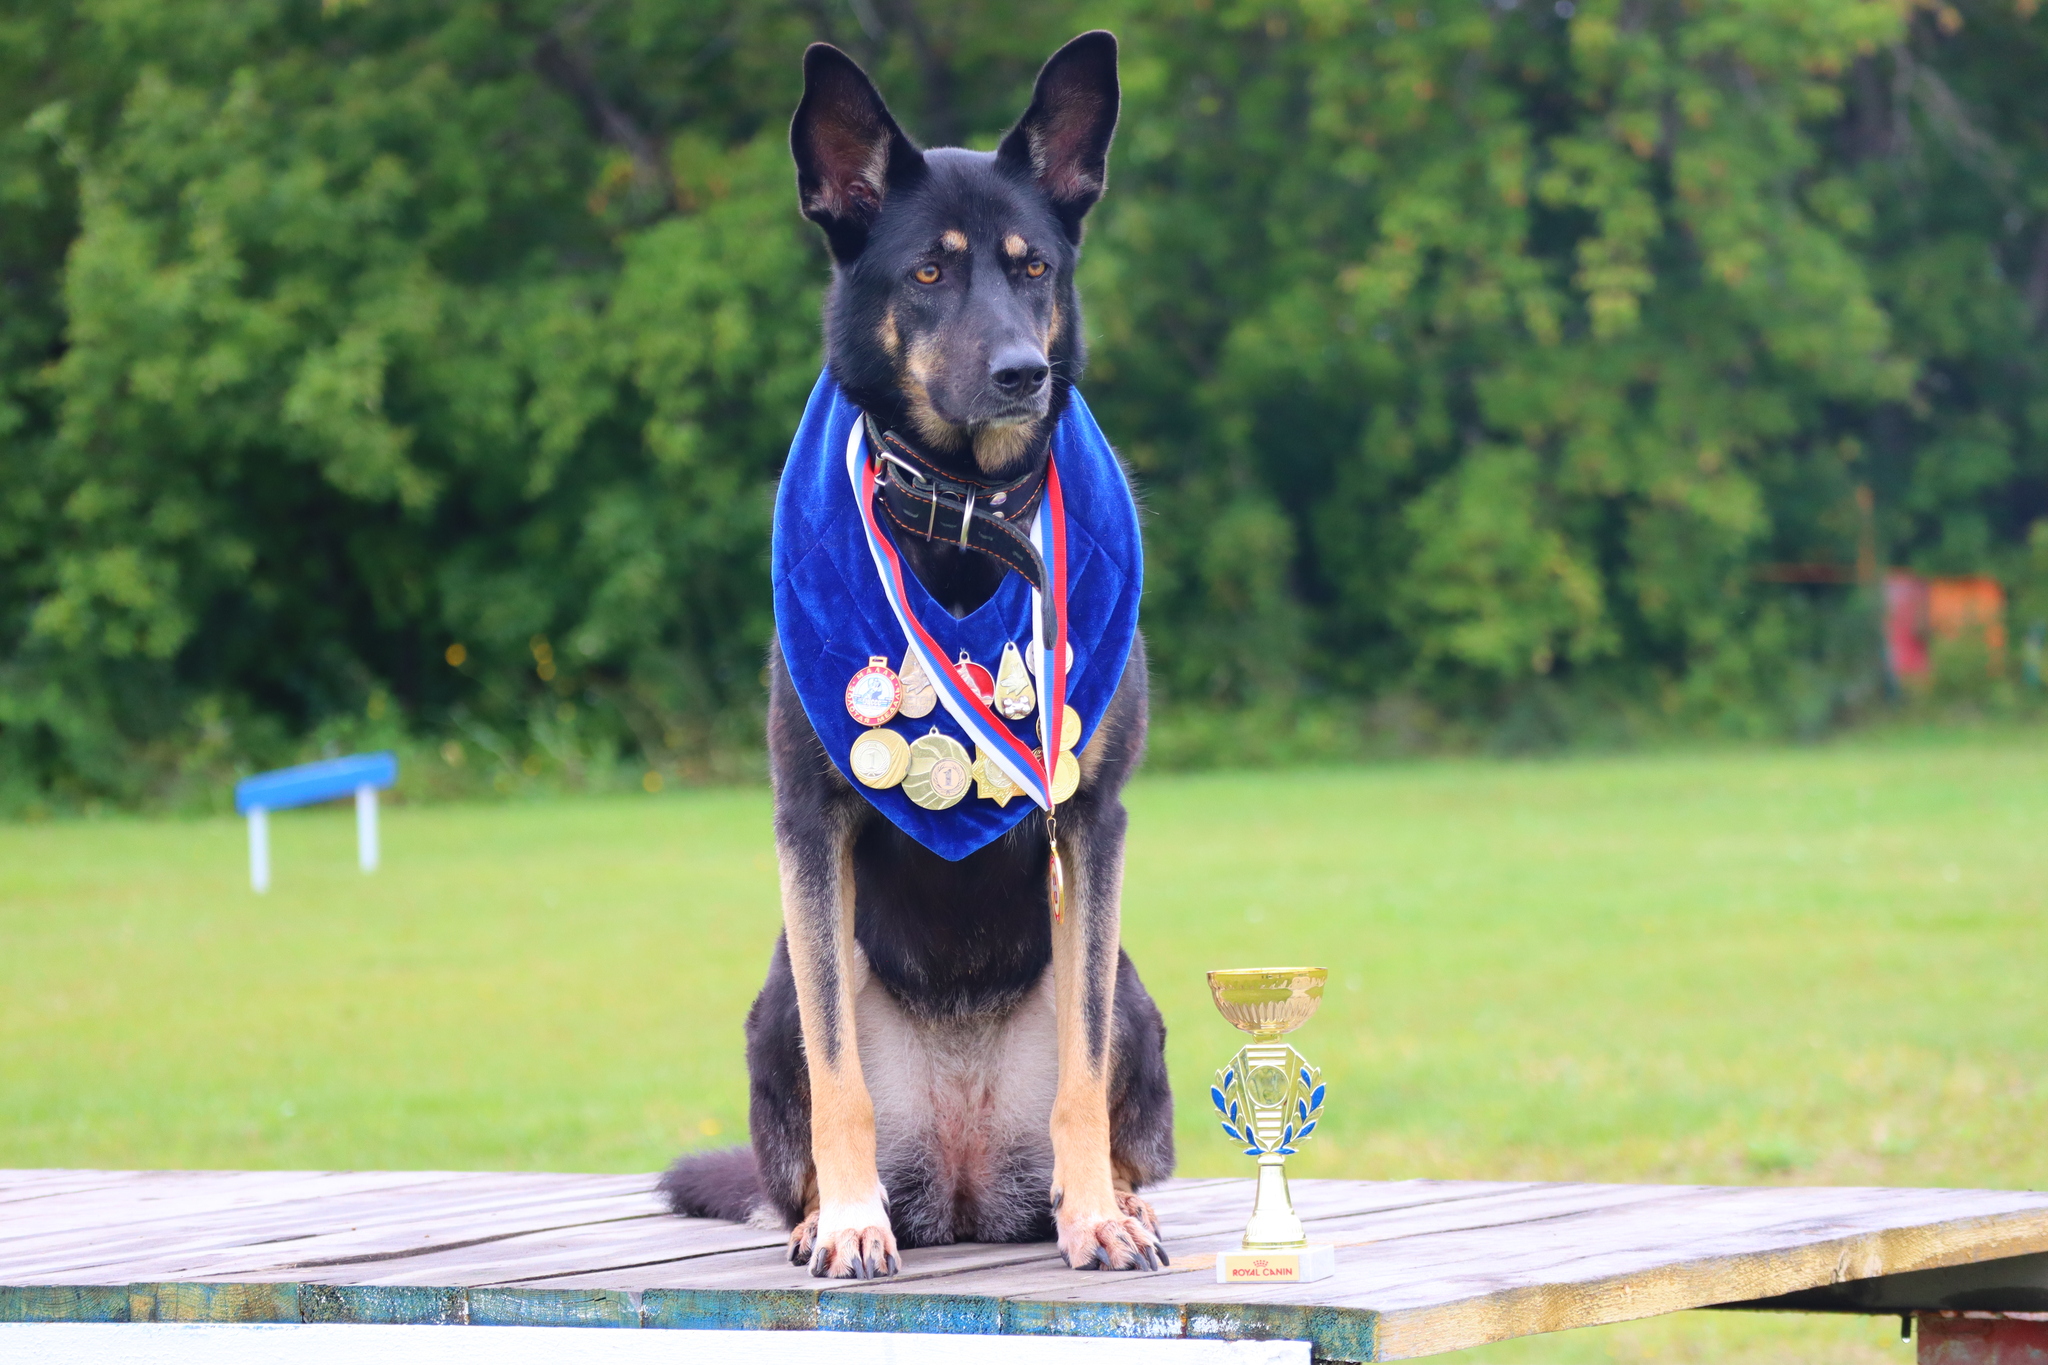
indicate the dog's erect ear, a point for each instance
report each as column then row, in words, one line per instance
column 849, row 153
column 1062, row 141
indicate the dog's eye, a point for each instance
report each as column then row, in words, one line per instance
column 1035, row 269
column 927, row 274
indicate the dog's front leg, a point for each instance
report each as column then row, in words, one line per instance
column 1096, row 1228
column 849, row 1234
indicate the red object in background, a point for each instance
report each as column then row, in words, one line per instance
column 1983, row 1339
column 1905, row 625
column 1919, row 611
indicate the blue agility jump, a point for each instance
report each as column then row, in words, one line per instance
column 363, row 774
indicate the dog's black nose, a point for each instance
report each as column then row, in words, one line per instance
column 1018, row 371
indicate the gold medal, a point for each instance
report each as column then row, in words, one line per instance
column 991, row 783
column 875, row 693
column 879, row 758
column 1015, row 698
column 1056, row 877
column 1066, row 775
column 1070, row 729
column 939, row 773
column 919, row 696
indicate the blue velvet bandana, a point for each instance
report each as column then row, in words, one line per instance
column 832, row 615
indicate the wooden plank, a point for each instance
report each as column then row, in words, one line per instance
column 1665, row 1276
column 64, row 1303
column 1213, row 1213
column 292, row 1235
column 194, row 1194
column 199, row 1192
column 112, row 1190
column 217, row 1229
column 1423, row 1266
column 1015, row 1271
column 279, row 1241
column 1001, row 1297
column 18, row 1186
column 1422, row 1290
column 1344, row 1212
column 1556, row 1227
column 1448, row 1290
column 34, row 1177
column 1695, row 1225
column 2004, row 1284
column 620, row 1248
column 364, row 1198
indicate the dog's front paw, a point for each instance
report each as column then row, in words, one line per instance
column 848, row 1242
column 1123, row 1237
column 1130, row 1206
column 802, row 1238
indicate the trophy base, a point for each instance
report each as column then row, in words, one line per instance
column 1317, row 1261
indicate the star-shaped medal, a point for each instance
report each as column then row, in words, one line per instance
column 990, row 781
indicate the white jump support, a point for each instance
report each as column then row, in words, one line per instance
column 259, row 849
column 366, row 827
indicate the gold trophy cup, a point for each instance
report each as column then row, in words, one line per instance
column 1269, row 1099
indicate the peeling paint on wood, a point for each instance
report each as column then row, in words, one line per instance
column 773, row 1310
column 1093, row 1319
column 64, row 1303
column 553, row 1308
column 385, row 1304
column 951, row 1314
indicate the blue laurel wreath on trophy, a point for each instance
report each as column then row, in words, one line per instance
column 1234, row 1107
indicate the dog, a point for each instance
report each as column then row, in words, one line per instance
column 932, row 1058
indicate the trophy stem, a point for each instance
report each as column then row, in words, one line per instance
column 1275, row 1226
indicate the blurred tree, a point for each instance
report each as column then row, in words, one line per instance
column 1479, row 350
column 1507, row 323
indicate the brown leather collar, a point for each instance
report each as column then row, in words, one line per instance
column 978, row 514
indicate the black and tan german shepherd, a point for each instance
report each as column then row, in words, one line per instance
column 933, row 1059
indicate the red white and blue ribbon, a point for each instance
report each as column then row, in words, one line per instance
column 996, row 739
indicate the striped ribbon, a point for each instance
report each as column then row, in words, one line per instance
column 995, row 738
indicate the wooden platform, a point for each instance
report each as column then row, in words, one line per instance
column 1423, row 1266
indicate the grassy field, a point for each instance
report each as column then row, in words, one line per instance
column 1815, row 966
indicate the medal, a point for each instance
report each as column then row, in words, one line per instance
column 879, row 758
column 939, row 772
column 919, row 696
column 1070, row 729
column 875, row 693
column 977, row 679
column 1066, row 775
column 991, row 783
column 1015, row 698
column 1055, row 874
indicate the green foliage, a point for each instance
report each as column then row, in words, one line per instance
column 1474, row 358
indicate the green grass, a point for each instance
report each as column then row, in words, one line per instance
column 1814, row 966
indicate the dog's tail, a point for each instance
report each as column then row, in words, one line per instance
column 723, row 1184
